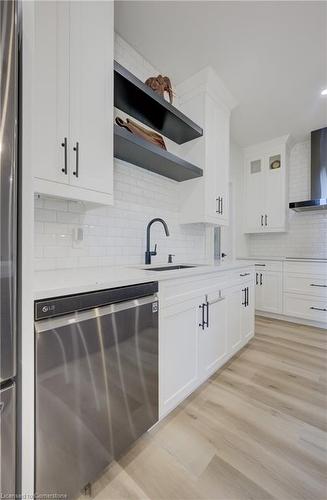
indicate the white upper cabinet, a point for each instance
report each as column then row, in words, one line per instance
column 205, row 99
column 265, row 186
column 51, row 82
column 91, row 94
column 73, row 102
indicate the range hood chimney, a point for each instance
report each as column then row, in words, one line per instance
column 318, row 174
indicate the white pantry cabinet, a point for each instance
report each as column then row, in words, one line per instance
column 204, row 98
column 265, row 186
column 203, row 322
column 72, row 109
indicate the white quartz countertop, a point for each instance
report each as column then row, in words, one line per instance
column 288, row 259
column 62, row 282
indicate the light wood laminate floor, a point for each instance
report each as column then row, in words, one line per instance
column 256, row 430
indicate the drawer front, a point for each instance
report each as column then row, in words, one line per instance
column 179, row 290
column 268, row 265
column 304, row 306
column 314, row 285
column 318, row 268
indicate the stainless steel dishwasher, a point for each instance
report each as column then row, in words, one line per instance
column 96, row 382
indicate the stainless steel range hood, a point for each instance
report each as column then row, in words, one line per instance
column 318, row 174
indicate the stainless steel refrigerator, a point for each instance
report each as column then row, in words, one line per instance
column 8, row 228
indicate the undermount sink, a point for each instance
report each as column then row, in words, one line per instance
column 166, row 268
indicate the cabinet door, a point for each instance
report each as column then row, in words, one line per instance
column 222, row 166
column 254, row 195
column 212, row 338
column 179, row 325
column 91, row 84
column 217, row 161
column 270, row 284
column 234, row 297
column 247, row 313
column 275, row 192
column 258, row 290
column 51, row 91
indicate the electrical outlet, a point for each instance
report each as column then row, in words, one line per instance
column 78, row 237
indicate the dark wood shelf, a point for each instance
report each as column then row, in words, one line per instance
column 138, row 100
column 133, row 149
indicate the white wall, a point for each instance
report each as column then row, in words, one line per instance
column 116, row 235
column 307, row 232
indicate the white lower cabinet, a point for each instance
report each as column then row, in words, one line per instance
column 307, row 307
column 178, row 371
column 268, row 291
column 247, row 313
column 201, row 326
column 234, row 304
column 296, row 290
column 213, row 335
column 240, row 315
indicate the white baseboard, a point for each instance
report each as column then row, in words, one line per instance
column 292, row 319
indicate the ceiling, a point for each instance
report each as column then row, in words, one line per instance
column 272, row 56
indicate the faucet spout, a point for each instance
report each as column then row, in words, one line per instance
column 149, row 253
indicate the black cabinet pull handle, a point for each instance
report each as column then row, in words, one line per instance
column 207, row 307
column 207, row 322
column 218, row 205
column 64, row 145
column 256, row 278
column 260, row 265
column 266, row 220
column 244, row 303
column 247, row 296
column 321, row 286
column 260, row 278
column 76, row 149
column 262, row 220
column 319, row 309
column 202, row 312
column 245, row 274
column 222, row 206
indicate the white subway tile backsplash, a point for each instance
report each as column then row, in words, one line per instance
column 116, row 235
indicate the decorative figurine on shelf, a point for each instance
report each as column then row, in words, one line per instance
column 148, row 135
column 161, row 84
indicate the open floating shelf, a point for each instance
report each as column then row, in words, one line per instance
column 138, row 100
column 137, row 151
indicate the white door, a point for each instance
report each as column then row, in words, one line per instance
column 51, row 91
column 91, row 84
column 178, row 352
column 211, row 159
column 259, row 299
column 274, row 216
column 247, row 312
column 234, row 305
column 254, row 195
column 217, row 161
column 222, row 165
column 212, row 337
column 271, row 286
